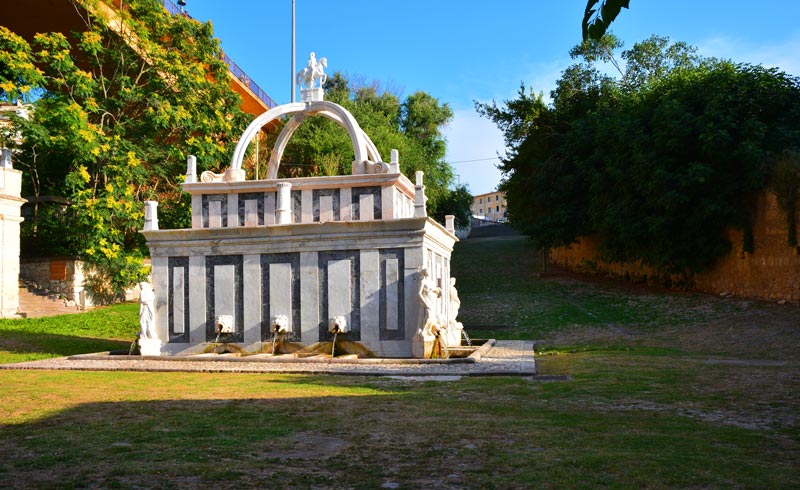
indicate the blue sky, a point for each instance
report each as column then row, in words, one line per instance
column 462, row 51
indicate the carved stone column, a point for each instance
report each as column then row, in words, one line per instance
column 10, row 219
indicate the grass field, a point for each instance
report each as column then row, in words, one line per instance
column 664, row 390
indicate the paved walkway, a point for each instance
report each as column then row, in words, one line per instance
column 505, row 358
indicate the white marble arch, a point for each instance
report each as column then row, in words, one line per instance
column 362, row 145
column 291, row 127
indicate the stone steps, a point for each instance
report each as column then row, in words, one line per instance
column 35, row 305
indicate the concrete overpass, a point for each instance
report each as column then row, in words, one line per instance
column 26, row 18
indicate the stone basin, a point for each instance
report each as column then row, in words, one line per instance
column 317, row 353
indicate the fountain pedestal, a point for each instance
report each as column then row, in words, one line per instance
column 150, row 347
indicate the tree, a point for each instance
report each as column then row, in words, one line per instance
column 657, row 163
column 457, row 202
column 122, row 108
column 598, row 16
column 413, row 127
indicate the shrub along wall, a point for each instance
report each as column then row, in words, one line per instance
column 771, row 272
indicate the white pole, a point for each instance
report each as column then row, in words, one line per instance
column 293, row 55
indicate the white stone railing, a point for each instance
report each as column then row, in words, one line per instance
column 365, row 197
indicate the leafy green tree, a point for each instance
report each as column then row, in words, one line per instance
column 657, row 163
column 458, row 203
column 122, row 107
column 19, row 77
column 412, row 126
column 598, row 16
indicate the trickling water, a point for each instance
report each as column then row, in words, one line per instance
column 466, row 337
column 216, row 340
column 333, row 348
column 274, row 340
column 133, row 346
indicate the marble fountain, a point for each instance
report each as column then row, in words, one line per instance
column 298, row 266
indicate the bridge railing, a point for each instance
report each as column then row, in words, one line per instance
column 173, row 9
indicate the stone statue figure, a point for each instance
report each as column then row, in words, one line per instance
column 455, row 302
column 428, row 294
column 314, row 71
column 454, row 327
column 147, row 312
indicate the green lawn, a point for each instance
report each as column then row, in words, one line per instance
column 663, row 390
column 103, row 329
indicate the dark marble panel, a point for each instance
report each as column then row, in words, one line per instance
column 376, row 201
column 297, row 206
column 251, row 196
column 400, row 333
column 215, row 197
column 178, row 337
column 238, row 285
column 293, row 259
column 317, row 193
column 355, row 293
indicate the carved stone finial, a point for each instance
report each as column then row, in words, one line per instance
column 229, row 175
column 450, row 223
column 5, row 158
column 420, row 199
column 394, row 162
column 191, row 169
column 150, row 216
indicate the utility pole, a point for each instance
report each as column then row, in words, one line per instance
column 293, row 56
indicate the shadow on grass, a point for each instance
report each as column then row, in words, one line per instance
column 97, row 330
column 20, row 346
column 330, row 440
column 180, row 444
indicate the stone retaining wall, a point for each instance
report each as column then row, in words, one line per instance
column 59, row 275
column 771, row 272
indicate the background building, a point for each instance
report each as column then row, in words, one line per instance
column 490, row 206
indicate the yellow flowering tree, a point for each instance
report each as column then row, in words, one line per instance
column 117, row 113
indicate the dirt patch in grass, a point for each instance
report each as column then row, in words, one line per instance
column 307, row 446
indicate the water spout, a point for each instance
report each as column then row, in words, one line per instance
column 337, row 325
column 280, row 326
column 223, row 325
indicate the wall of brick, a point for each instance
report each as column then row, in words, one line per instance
column 771, row 272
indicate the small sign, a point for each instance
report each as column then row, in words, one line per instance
column 58, row 270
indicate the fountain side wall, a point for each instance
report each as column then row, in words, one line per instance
column 366, row 271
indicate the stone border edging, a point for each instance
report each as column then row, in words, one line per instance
column 499, row 358
column 471, row 359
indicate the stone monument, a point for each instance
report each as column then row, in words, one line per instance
column 313, row 257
